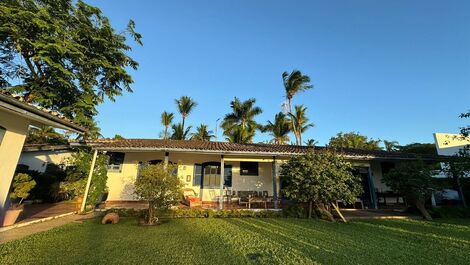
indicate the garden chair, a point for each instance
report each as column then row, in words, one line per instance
column 190, row 198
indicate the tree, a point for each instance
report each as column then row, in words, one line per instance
column 320, row 178
column 419, row 148
column 294, row 83
column 279, row 129
column 202, row 133
column 414, row 181
column 158, row 185
column 179, row 133
column 63, row 55
column 300, row 122
column 21, row 186
column 391, row 146
column 458, row 169
column 185, row 107
column 240, row 126
column 353, row 140
column 465, row 131
column 118, row 137
column 45, row 134
column 311, row 142
column 166, row 120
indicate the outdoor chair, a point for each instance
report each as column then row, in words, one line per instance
column 190, row 198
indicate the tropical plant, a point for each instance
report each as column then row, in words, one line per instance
column 240, row 126
column 44, row 134
column 465, row 131
column 311, row 142
column 299, row 122
column 179, row 133
column 22, row 185
column 414, row 181
column 320, row 178
column 63, row 55
column 166, row 120
column 77, row 176
column 118, row 137
column 419, row 148
column 202, row 133
column 158, row 185
column 279, row 129
column 185, row 106
column 294, row 83
column 353, row 140
column 93, row 131
column 391, row 146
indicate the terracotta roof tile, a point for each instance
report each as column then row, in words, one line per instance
column 230, row 148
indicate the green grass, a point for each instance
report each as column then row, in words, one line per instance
column 234, row 241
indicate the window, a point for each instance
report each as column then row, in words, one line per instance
column 249, row 168
column 2, row 133
column 211, row 176
column 115, row 161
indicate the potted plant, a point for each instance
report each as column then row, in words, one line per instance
column 75, row 190
column 22, row 185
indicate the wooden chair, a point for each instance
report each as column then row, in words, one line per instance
column 190, row 198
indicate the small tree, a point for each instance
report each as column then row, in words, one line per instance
column 320, row 178
column 22, row 185
column 160, row 187
column 414, row 181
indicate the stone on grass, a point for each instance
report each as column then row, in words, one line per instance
column 110, row 218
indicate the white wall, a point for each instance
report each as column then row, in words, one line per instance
column 449, row 144
column 38, row 160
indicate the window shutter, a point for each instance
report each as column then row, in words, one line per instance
column 197, row 175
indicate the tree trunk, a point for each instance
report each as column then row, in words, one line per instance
column 310, row 208
column 422, row 210
column 292, row 120
column 324, row 211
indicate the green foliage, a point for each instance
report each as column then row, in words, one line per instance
column 240, row 126
column 279, row 129
column 419, row 148
column 77, row 176
column 166, row 119
column 299, row 122
column 179, row 132
column 45, row 135
column 63, row 55
column 295, row 211
column 391, row 146
column 158, row 185
column 465, row 131
column 47, row 183
column 320, row 177
column 22, row 185
column 118, row 137
column 353, row 140
column 414, row 181
column 202, row 133
column 451, row 212
column 185, row 106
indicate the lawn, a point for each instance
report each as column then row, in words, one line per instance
column 247, row 241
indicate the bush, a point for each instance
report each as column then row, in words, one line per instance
column 450, row 212
column 199, row 213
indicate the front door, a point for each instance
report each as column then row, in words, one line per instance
column 210, row 179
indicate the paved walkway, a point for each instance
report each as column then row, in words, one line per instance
column 20, row 232
column 39, row 211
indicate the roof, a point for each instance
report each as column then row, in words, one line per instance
column 142, row 145
column 45, row 147
column 45, row 116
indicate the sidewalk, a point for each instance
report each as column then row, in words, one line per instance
column 20, row 232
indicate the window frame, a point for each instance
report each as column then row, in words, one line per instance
column 255, row 174
column 117, row 168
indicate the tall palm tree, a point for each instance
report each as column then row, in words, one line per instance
column 185, row 106
column 279, row 129
column 293, row 83
column 202, row 133
column 239, row 126
column 179, row 133
column 311, row 142
column 300, row 122
column 166, row 120
column 44, row 134
column 391, row 146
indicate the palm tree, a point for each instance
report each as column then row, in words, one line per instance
column 185, row 106
column 279, row 129
column 166, row 120
column 391, row 146
column 311, row 142
column 179, row 133
column 293, row 83
column 300, row 122
column 44, row 134
column 239, row 126
column 202, row 133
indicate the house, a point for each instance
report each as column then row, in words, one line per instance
column 38, row 156
column 245, row 167
column 448, row 144
column 16, row 116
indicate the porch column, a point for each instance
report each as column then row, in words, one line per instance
column 373, row 196
column 222, row 174
column 165, row 162
column 90, row 175
column 274, row 182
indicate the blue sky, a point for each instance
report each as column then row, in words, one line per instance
column 395, row 70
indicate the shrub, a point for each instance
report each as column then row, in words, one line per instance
column 22, row 185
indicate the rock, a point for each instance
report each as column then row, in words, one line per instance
column 110, row 218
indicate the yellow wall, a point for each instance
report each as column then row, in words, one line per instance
column 121, row 184
column 10, row 150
